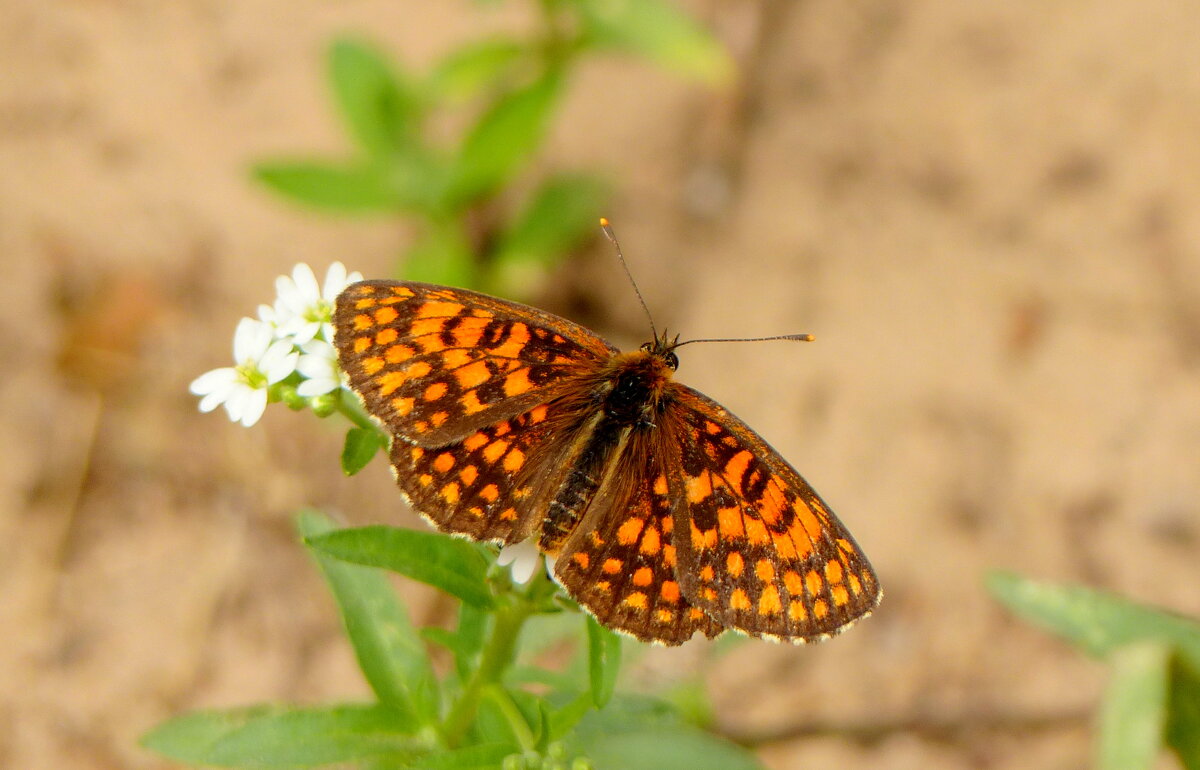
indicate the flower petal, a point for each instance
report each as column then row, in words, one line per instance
column 213, row 380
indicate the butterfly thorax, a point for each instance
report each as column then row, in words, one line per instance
column 632, row 388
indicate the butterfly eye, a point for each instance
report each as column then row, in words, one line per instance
column 671, row 360
column 647, row 347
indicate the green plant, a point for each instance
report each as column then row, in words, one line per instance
column 1153, row 697
column 505, row 90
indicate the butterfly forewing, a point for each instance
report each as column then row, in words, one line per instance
column 757, row 548
column 435, row 364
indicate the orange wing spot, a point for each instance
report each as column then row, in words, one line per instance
column 769, row 510
column 736, row 467
column 729, row 521
column 443, row 462
column 450, row 492
column 474, row 441
column 734, row 563
column 518, row 337
column 769, row 603
column 820, row 609
column 807, row 518
column 765, row 570
column 472, row 375
column 468, row 331
column 637, row 600
column 438, row 309
column 785, row 544
column 386, row 336
column 402, row 292
column 660, row 485
column 699, row 488
column 833, row 571
column 470, row 403
column 537, row 414
column 702, row 540
column 452, row 358
column 389, row 382
column 385, row 315
column 814, row 582
column 468, row 475
column 594, row 536
column 706, row 573
column 712, row 428
column 364, row 303
column 855, row 585
column 425, row 479
column 517, row 383
column 373, row 364
column 695, row 613
column 612, row 566
column 841, row 597
column 398, row 354
column 475, row 511
column 428, row 327
column 362, row 322
column 756, row 531
column 582, row 559
column 435, row 391
column 669, row 591
column 650, row 541
column 362, row 344
column 669, row 555
column 514, row 460
column 503, row 429
column 402, row 406
column 643, row 577
column 420, row 426
column 709, row 594
column 489, row 493
column 738, row 600
column 667, row 524
column 439, row 418
column 509, row 514
column 629, row 530
column 416, row 453
column 845, row 545
column 664, row 615
column 604, row 586
column 795, row 586
column 494, row 451
column 796, row 611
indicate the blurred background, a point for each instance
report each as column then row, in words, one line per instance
column 985, row 212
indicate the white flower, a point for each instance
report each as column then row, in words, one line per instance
column 524, row 557
column 319, row 366
column 242, row 388
column 302, row 307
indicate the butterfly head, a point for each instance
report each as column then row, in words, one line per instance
column 663, row 348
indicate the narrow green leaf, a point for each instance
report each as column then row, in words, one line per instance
column 469, row 69
column 454, row 566
column 280, row 737
column 471, row 633
column 361, row 445
column 564, row 719
column 486, row 756
column 660, row 32
column 381, row 111
column 509, row 717
column 444, row 257
column 389, row 651
column 356, row 187
column 503, row 138
column 1135, row 705
column 667, row 747
column 1097, row 622
column 604, row 661
column 1183, row 715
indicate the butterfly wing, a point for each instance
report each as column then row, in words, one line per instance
column 757, row 548
column 436, row 364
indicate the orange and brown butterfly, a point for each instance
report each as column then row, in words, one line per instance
column 664, row 513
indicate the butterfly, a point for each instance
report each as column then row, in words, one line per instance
column 664, row 514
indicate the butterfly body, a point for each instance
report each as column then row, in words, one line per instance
column 664, row 514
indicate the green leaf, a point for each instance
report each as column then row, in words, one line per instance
column 361, row 445
column 486, row 756
column 1134, row 710
column 473, row 67
column 564, row 719
column 660, row 32
column 470, row 635
column 389, row 651
column 353, row 187
column 271, row 737
column 509, row 717
column 444, row 257
column 1095, row 621
column 562, row 214
column 503, row 138
column 381, row 112
column 604, row 661
column 667, row 747
column 1183, row 714
column 454, row 566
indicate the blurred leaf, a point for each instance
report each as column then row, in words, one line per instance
column 381, row 112
column 1134, row 710
column 470, row 635
column 473, row 67
column 1098, row 622
column 444, row 257
column 485, row 756
column 1183, row 715
column 503, row 138
column 361, row 445
column 454, row 566
column 358, row 187
column 512, row 717
column 271, row 737
column 660, row 32
column 564, row 719
column 604, row 661
column 389, row 651
column 684, row 747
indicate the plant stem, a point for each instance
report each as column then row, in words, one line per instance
column 496, row 656
column 348, row 406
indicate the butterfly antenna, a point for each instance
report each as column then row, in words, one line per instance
column 789, row 337
column 609, row 234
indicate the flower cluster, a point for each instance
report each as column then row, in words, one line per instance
column 289, row 344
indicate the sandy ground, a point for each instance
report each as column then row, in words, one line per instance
column 986, row 211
